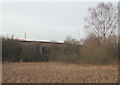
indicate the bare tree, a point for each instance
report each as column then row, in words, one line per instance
column 102, row 20
column 70, row 40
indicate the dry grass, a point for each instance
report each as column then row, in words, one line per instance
column 58, row 73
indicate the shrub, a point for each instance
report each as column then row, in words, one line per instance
column 11, row 50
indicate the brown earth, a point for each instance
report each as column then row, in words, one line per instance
column 58, row 73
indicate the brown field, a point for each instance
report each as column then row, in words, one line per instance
column 58, row 73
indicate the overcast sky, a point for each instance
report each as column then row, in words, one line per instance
column 45, row 20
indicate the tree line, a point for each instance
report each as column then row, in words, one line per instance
column 71, row 51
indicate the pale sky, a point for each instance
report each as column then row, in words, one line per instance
column 44, row 20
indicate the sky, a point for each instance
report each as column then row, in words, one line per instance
column 44, row 20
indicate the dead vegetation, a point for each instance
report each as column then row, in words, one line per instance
column 58, row 73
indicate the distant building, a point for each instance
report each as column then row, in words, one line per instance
column 43, row 44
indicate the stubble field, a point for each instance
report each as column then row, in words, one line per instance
column 58, row 73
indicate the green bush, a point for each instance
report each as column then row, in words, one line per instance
column 68, row 53
column 11, row 50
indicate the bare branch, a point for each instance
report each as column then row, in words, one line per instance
column 103, row 19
